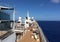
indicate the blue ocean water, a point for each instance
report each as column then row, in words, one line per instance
column 51, row 30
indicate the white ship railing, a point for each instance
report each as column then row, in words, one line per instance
column 43, row 37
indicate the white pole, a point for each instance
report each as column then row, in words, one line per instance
column 14, row 19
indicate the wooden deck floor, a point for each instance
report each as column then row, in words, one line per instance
column 27, row 38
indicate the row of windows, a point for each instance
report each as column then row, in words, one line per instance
column 4, row 16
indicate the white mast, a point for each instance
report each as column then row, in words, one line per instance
column 28, row 15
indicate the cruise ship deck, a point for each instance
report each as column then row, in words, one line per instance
column 30, row 34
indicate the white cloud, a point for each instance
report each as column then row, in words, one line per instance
column 55, row 1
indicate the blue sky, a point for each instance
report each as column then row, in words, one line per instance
column 39, row 9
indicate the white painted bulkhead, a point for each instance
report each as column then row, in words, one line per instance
column 10, row 38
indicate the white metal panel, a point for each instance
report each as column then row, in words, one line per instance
column 0, row 40
column 11, row 38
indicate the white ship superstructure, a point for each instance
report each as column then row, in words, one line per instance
column 24, row 22
column 6, row 32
